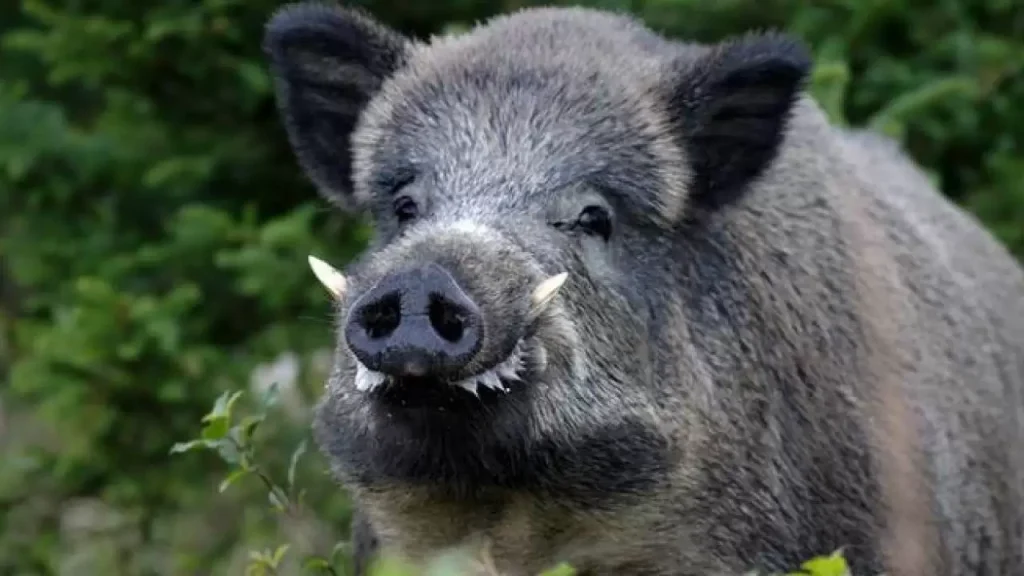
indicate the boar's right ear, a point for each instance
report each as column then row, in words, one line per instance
column 327, row 62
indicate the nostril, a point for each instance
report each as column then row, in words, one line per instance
column 382, row 317
column 447, row 318
column 415, row 322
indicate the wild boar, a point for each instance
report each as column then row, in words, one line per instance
column 634, row 304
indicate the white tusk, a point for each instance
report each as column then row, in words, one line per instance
column 367, row 379
column 333, row 280
column 547, row 289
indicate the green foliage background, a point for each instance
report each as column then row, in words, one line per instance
column 154, row 228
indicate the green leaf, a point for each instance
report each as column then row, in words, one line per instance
column 294, row 463
column 563, row 569
column 218, row 421
column 223, row 405
column 339, row 549
column 279, row 554
column 254, row 76
column 248, row 427
column 316, row 563
column 831, row 565
column 167, row 172
column 892, row 119
column 215, row 428
column 277, row 501
column 387, row 566
column 231, row 478
column 227, row 450
column 259, row 556
column 181, row 447
column 271, row 395
column 231, row 403
column 829, row 82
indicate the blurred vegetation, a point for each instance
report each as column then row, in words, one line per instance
column 154, row 228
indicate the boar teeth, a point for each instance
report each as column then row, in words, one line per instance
column 508, row 372
column 333, row 280
column 491, row 380
column 468, row 386
column 367, row 379
column 495, row 378
column 509, row 369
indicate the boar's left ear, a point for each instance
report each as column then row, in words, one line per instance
column 327, row 62
column 732, row 105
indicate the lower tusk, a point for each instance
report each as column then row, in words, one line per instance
column 333, row 280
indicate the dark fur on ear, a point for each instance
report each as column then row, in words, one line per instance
column 327, row 63
column 732, row 105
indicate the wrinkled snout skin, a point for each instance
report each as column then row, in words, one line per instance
column 774, row 337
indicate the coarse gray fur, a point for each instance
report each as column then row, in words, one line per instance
column 789, row 343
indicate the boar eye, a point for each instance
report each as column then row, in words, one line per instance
column 595, row 220
column 405, row 208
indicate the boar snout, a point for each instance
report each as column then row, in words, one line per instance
column 469, row 320
column 415, row 323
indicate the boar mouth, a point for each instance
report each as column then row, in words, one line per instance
column 503, row 377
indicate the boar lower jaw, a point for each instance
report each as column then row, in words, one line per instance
column 497, row 378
